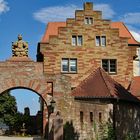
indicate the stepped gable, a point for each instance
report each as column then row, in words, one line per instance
column 52, row 29
column 135, row 86
column 100, row 85
column 124, row 32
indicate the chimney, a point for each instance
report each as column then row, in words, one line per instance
column 88, row 6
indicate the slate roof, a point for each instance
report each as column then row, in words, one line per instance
column 100, row 85
column 52, row 29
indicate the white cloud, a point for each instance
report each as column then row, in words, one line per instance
column 60, row 13
column 131, row 18
column 134, row 31
column 56, row 13
column 136, row 35
column 106, row 9
column 3, row 6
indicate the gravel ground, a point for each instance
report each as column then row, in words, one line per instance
column 19, row 138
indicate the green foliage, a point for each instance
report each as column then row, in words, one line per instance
column 8, row 109
column 69, row 132
column 105, row 131
column 130, row 136
column 95, row 130
column 111, row 132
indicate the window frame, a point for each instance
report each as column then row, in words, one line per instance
column 74, row 40
column 88, row 20
column 100, row 44
column 77, row 43
column 109, row 66
column 69, row 65
column 103, row 45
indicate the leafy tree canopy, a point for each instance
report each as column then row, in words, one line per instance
column 8, row 108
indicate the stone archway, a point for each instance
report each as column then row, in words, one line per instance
column 25, row 73
column 21, row 72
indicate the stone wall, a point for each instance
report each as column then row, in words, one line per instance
column 91, row 127
column 89, row 56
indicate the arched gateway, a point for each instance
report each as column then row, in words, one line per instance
column 21, row 72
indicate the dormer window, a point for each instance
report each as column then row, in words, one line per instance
column 88, row 20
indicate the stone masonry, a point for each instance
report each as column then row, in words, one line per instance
column 89, row 56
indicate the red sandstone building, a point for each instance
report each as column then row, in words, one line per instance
column 94, row 58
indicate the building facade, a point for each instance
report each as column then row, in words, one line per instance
column 94, row 58
column 86, row 42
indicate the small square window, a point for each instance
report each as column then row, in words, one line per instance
column 69, row 65
column 77, row 40
column 101, row 41
column 88, row 20
column 109, row 65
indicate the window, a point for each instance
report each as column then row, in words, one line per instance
column 100, row 40
column 80, row 41
column 81, row 116
column 100, row 117
column 88, row 20
column 103, row 41
column 65, row 65
column 91, row 116
column 74, row 40
column 69, row 65
column 109, row 65
column 77, row 40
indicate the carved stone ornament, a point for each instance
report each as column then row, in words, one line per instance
column 20, row 48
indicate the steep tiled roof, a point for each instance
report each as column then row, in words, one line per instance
column 135, row 86
column 124, row 32
column 100, row 85
column 52, row 29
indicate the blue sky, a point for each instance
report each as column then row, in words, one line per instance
column 30, row 17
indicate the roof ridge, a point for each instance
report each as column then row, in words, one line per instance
column 93, row 72
column 101, row 70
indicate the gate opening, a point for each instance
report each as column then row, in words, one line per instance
column 22, row 112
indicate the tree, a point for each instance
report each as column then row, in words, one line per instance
column 8, row 109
